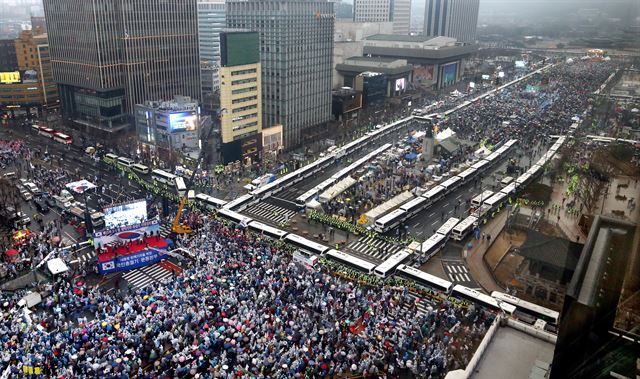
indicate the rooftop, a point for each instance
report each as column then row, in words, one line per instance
column 555, row 251
column 522, row 349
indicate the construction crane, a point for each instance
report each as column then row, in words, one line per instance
column 184, row 188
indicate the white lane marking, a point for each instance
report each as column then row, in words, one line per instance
column 69, row 236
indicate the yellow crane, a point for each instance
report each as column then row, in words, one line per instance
column 184, row 188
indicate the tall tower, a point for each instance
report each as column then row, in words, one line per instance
column 372, row 10
column 401, row 16
column 396, row 11
column 211, row 22
column 452, row 18
column 296, row 53
column 109, row 56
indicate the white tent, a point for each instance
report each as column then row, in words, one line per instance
column 337, row 189
column 443, row 135
column 57, row 266
column 31, row 299
column 388, row 205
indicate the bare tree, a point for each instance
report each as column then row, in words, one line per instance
column 9, row 195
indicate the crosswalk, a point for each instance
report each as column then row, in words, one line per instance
column 141, row 277
column 271, row 212
column 165, row 230
column 374, row 247
column 290, row 194
column 85, row 255
column 458, row 272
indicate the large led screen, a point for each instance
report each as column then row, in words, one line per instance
column 126, row 214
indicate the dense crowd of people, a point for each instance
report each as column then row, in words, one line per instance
column 532, row 109
column 244, row 309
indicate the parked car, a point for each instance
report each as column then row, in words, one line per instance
column 26, row 195
column 21, row 220
column 41, row 205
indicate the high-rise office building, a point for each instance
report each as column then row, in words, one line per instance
column 396, row 11
column 296, row 50
column 211, row 21
column 240, row 96
column 108, row 57
column 372, row 10
column 452, row 18
column 401, row 16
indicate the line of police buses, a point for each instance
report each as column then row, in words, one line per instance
column 395, row 264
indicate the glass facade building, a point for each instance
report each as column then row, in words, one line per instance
column 211, row 21
column 452, row 18
column 111, row 55
column 296, row 54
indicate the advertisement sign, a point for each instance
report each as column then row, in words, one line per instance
column 401, row 85
column 450, row 72
column 129, row 262
column 10, row 77
column 486, row 77
column 80, row 186
column 423, row 73
column 183, row 121
column 30, row 76
column 520, row 64
column 126, row 214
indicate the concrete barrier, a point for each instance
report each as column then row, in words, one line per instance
column 530, row 330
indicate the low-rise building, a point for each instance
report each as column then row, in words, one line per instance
column 28, row 86
column 165, row 127
column 435, row 61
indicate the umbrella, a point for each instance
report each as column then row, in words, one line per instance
column 11, row 252
column 410, row 156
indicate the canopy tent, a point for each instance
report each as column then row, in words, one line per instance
column 387, row 206
column 445, row 134
column 57, row 266
column 337, row 189
column 411, row 156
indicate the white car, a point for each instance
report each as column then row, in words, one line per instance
column 67, row 195
column 26, row 195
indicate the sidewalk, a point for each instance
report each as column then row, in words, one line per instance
column 475, row 256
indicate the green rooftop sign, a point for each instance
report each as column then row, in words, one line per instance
column 239, row 48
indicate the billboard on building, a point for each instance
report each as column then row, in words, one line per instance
column 30, row 76
column 10, row 77
column 423, row 73
column 401, row 85
column 450, row 72
column 183, row 121
column 130, row 213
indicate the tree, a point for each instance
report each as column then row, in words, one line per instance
column 9, row 195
